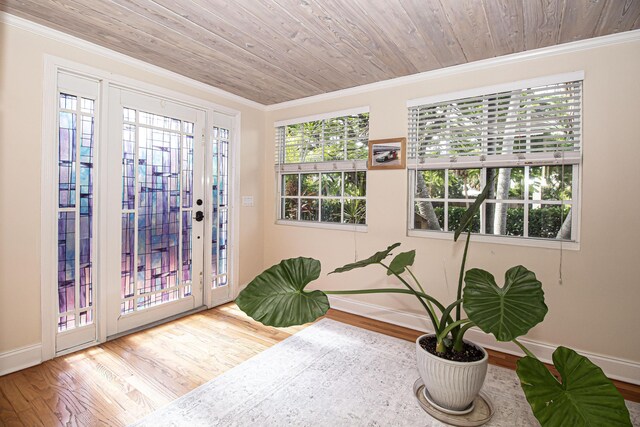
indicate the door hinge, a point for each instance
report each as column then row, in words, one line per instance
column 203, row 139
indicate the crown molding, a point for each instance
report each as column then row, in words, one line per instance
column 624, row 37
column 59, row 36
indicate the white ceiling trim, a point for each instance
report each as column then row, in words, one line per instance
column 612, row 39
column 50, row 33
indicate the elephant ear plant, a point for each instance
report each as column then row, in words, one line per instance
column 583, row 396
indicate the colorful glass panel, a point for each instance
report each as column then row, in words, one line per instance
column 157, row 200
column 75, row 211
column 67, row 160
column 220, row 201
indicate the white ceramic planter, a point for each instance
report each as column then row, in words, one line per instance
column 452, row 385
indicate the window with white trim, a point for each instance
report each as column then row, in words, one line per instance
column 526, row 140
column 321, row 164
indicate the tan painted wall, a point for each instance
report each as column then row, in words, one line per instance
column 596, row 307
column 21, row 100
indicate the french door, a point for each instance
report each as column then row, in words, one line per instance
column 157, row 148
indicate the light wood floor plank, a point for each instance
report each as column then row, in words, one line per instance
column 119, row 382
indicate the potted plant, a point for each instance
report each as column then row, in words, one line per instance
column 584, row 396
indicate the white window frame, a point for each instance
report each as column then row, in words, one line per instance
column 282, row 169
column 535, row 159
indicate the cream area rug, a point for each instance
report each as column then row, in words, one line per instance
column 332, row 374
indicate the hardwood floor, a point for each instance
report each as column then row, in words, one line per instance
column 118, row 382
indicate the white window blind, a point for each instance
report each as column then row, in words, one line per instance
column 333, row 143
column 533, row 125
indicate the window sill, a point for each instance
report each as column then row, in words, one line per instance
column 326, row 225
column 501, row 240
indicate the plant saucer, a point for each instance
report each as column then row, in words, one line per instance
column 480, row 414
column 464, row 411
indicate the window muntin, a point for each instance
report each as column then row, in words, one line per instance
column 527, row 141
column 322, row 169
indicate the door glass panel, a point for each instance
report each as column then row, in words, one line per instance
column 75, row 211
column 220, row 202
column 157, row 201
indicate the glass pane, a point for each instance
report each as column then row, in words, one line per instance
column 67, row 160
column 355, row 184
column 68, row 102
column 456, row 210
column 187, row 127
column 550, row 221
column 309, row 209
column 331, row 210
column 66, row 261
column 290, row 185
column 86, row 318
column 223, row 167
column 127, row 267
column 508, row 183
column 87, row 106
column 214, row 244
column 550, row 182
column 187, row 171
column 290, row 209
column 428, row 216
column 187, row 254
column 332, row 184
column 355, row 211
column 430, row 184
column 158, row 213
column 129, row 115
column 464, row 183
column 310, row 184
column 66, row 322
column 505, row 219
column 128, row 166
column 222, row 241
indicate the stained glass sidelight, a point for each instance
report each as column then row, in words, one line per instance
column 220, row 201
column 67, row 160
column 157, row 198
column 75, row 211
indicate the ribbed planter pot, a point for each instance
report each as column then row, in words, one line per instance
column 452, row 385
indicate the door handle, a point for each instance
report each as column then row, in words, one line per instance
column 199, row 216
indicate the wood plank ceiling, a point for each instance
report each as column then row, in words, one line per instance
column 271, row 51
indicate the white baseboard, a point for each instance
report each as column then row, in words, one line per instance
column 20, row 358
column 619, row 369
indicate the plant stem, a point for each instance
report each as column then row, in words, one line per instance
column 443, row 334
column 461, row 276
column 458, row 343
column 523, row 348
column 420, row 286
column 430, row 312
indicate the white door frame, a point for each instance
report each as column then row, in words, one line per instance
column 52, row 66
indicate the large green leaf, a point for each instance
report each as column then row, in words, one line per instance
column 506, row 312
column 467, row 217
column 277, row 297
column 373, row 259
column 400, row 262
column 585, row 397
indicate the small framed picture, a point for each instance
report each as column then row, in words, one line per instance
column 387, row 153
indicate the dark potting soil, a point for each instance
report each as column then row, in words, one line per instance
column 469, row 353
